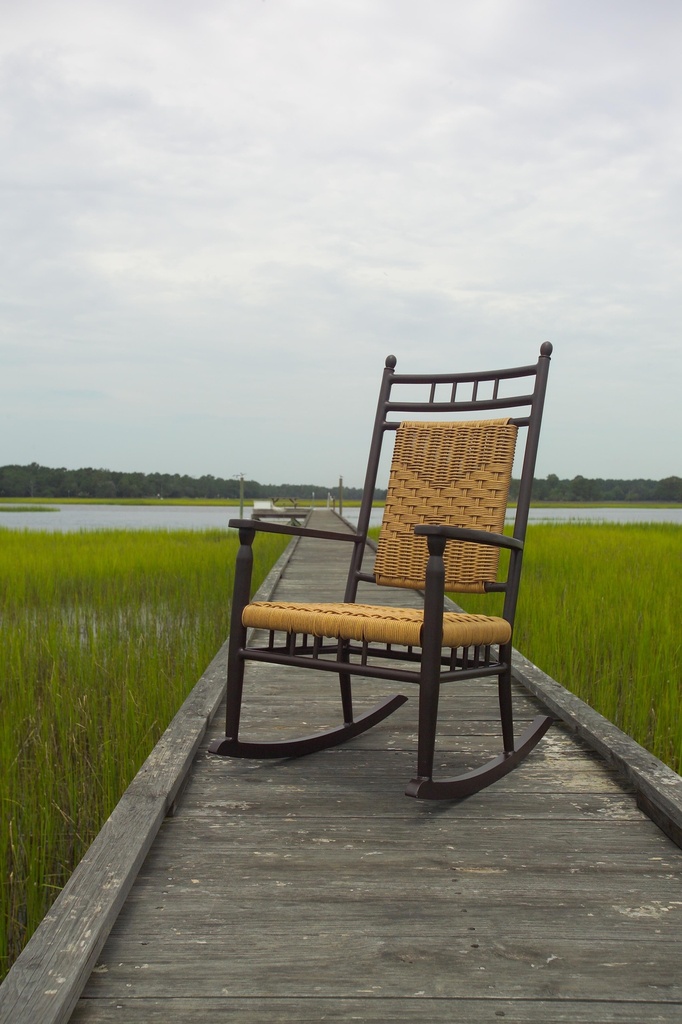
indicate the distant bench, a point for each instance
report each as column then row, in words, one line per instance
column 266, row 509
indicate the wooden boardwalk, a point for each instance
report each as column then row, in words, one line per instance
column 313, row 890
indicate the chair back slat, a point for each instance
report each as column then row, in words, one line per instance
column 455, row 473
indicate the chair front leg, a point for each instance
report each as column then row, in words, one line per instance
column 432, row 638
column 235, row 661
column 345, row 684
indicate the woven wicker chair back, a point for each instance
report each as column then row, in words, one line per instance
column 452, row 473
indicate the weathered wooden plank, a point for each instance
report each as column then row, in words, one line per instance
column 374, row 1009
column 354, row 861
column 158, row 924
column 475, row 919
column 648, row 895
column 289, row 790
column 612, row 841
column 376, row 955
column 351, row 797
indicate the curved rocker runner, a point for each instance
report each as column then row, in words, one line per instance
column 309, row 744
column 442, row 530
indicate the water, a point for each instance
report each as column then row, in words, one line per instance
column 71, row 518
column 68, row 518
column 606, row 515
column 572, row 515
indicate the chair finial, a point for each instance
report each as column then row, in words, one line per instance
column 546, row 348
column 390, row 362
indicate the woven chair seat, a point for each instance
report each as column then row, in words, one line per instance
column 373, row 623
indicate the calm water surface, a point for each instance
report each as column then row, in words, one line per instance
column 68, row 518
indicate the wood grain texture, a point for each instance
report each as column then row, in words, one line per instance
column 374, row 1009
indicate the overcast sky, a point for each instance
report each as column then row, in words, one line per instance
column 219, row 217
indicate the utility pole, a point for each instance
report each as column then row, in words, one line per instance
column 240, row 477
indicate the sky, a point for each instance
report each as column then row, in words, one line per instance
column 217, row 219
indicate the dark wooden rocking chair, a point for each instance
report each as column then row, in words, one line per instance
column 442, row 530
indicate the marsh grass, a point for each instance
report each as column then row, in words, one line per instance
column 26, row 508
column 104, row 633
column 599, row 611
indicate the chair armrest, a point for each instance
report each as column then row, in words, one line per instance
column 497, row 540
column 293, row 531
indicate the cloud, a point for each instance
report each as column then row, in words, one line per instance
column 220, row 218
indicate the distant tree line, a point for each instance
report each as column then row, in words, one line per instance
column 36, row 481
column 582, row 488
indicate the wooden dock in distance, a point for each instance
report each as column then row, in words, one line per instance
column 313, row 890
column 268, row 510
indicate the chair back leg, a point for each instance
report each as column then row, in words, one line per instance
column 505, row 699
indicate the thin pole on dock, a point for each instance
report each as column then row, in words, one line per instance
column 240, row 477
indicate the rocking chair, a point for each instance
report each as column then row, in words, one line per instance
column 442, row 530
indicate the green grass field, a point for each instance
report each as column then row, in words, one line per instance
column 599, row 611
column 103, row 636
